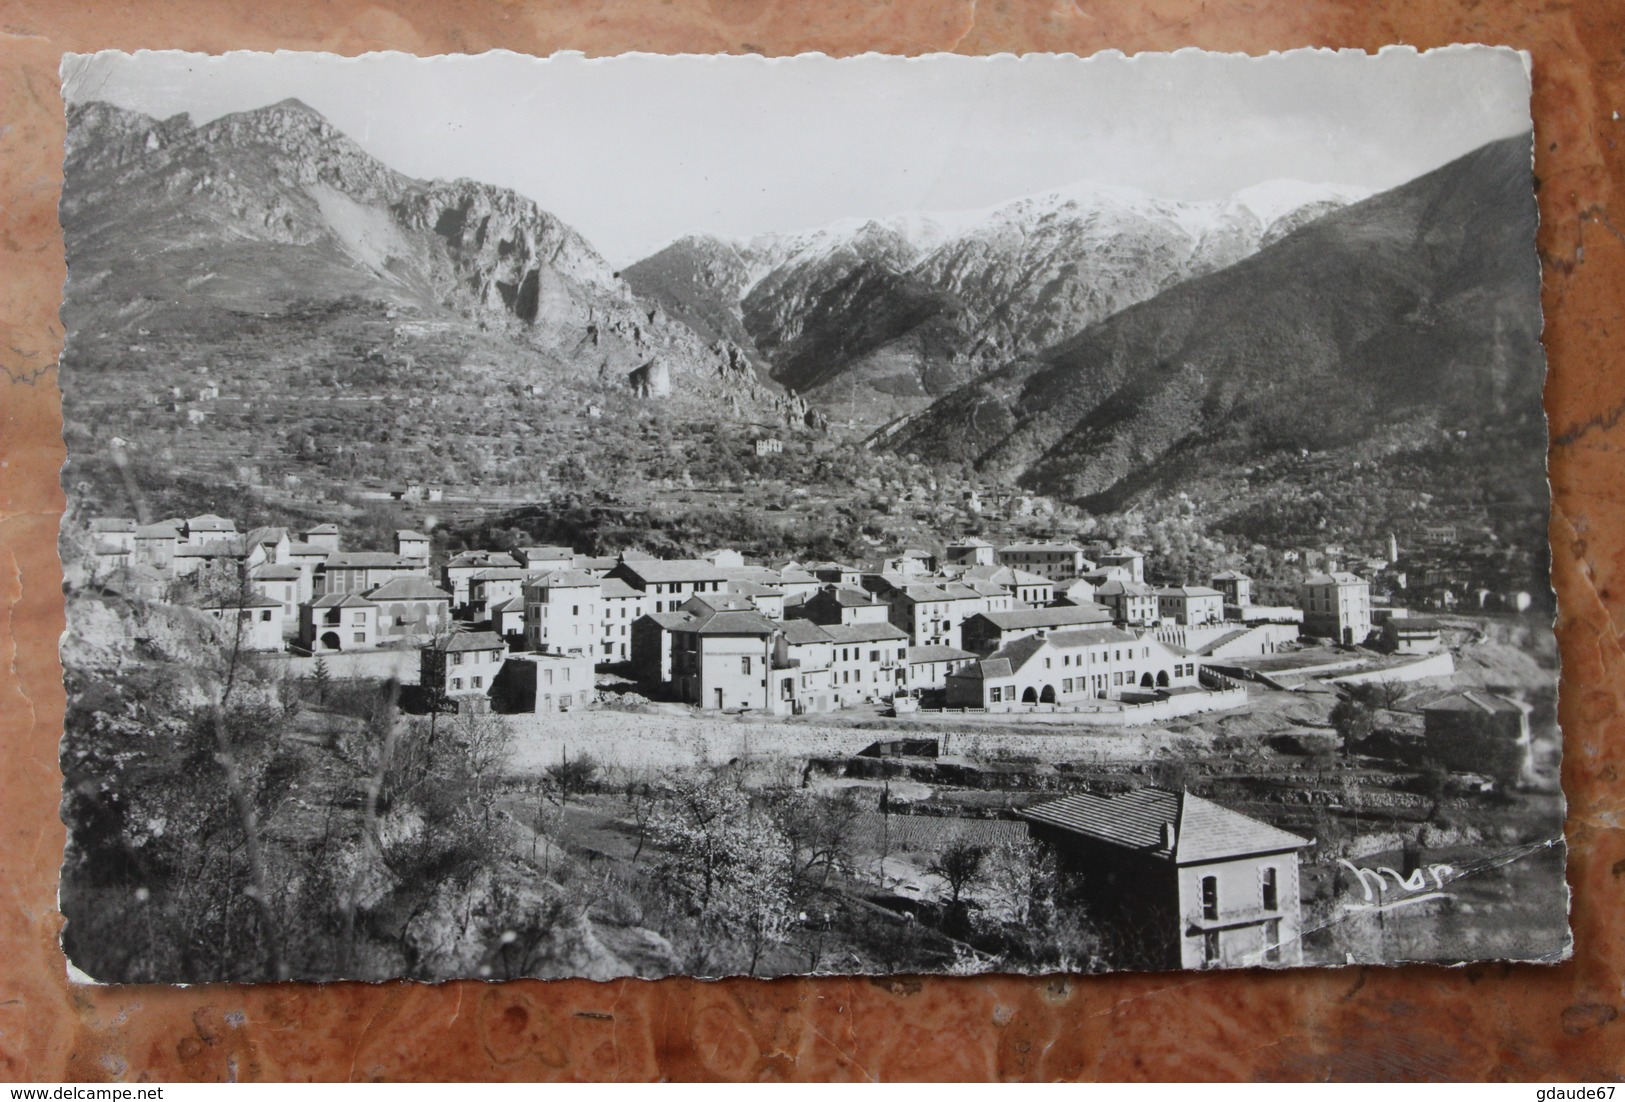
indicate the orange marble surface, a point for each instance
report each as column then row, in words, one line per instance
column 1478, row 1022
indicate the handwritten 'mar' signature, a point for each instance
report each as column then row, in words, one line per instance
column 1415, row 888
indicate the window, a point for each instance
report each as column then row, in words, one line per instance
column 1210, row 897
column 265, row 616
column 477, row 682
column 456, row 658
column 567, row 677
column 874, row 656
column 744, row 664
column 456, row 683
column 360, row 637
column 547, row 677
column 995, row 694
column 1269, row 893
column 575, row 610
column 1210, row 947
column 1272, row 941
column 358, row 619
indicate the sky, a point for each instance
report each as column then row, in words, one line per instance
column 637, row 150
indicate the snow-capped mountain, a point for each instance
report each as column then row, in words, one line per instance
column 882, row 315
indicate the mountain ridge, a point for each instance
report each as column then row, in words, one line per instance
column 1417, row 308
column 256, row 209
column 907, row 307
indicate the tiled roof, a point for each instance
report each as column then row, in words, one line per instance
column 616, row 588
column 970, row 541
column 328, row 529
column 163, row 530
column 208, row 522
column 550, row 553
column 1140, row 820
column 342, row 560
column 804, row 631
column 470, row 640
column 723, row 602
column 295, row 547
column 673, row 570
column 502, row 574
column 751, row 589
column 847, row 597
column 408, row 534
column 934, row 653
column 1340, row 577
column 512, row 604
column 1417, row 624
column 1035, row 548
column 734, row 622
column 1473, row 700
column 1053, row 616
column 1014, row 655
column 277, row 572
column 1090, row 637
column 481, row 558
column 1187, row 591
column 112, row 524
column 563, row 579
column 1119, row 587
column 1231, row 576
column 863, row 633
column 214, row 549
column 342, row 600
column 1003, row 575
column 407, row 589
column 761, row 575
column 671, row 621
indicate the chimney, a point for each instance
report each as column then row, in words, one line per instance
column 1169, row 838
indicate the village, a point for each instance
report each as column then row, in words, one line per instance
column 1030, row 656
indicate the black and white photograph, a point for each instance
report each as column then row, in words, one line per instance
column 724, row 516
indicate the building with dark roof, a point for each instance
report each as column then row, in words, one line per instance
column 360, row 571
column 1190, row 605
column 1069, row 668
column 667, row 583
column 1412, row 635
column 839, row 604
column 1336, row 606
column 338, row 622
column 1177, row 881
column 460, row 569
column 988, row 631
column 460, row 669
column 249, row 622
column 719, row 652
column 1474, row 731
column 410, row 605
column 928, row 667
column 1131, row 602
column 1055, row 561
